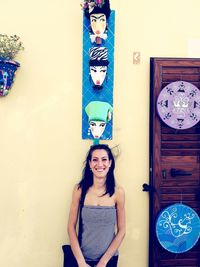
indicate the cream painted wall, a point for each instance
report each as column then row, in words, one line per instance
column 41, row 148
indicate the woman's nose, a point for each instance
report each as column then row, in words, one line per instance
column 100, row 163
column 98, row 24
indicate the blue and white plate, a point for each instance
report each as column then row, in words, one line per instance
column 178, row 228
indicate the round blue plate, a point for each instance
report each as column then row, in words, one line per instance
column 178, row 228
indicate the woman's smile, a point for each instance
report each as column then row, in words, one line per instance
column 100, row 169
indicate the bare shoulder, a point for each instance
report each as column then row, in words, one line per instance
column 120, row 194
column 75, row 202
column 119, row 190
column 76, row 192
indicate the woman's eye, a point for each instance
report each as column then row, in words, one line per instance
column 103, row 20
column 103, row 70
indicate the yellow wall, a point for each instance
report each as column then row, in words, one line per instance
column 40, row 139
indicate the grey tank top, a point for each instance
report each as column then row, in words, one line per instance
column 98, row 230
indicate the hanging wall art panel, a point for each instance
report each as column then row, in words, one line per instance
column 97, row 77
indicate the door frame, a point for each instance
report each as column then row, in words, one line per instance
column 156, row 64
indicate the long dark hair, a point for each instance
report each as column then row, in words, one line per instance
column 87, row 176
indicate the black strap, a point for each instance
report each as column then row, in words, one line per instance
column 80, row 228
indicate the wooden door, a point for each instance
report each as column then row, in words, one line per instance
column 172, row 149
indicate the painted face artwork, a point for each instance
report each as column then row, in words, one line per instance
column 98, row 74
column 98, row 24
column 97, row 128
column 98, row 12
column 99, row 113
column 98, row 65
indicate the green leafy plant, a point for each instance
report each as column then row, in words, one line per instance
column 10, row 46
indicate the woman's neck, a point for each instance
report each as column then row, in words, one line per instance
column 99, row 184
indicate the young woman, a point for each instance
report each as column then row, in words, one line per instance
column 102, row 212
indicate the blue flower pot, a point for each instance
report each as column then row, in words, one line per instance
column 7, row 75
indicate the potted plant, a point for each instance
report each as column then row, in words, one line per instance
column 9, row 48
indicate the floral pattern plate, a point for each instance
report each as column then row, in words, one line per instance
column 178, row 105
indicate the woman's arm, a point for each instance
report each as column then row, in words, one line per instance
column 73, row 217
column 121, row 228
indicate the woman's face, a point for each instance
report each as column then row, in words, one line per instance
column 100, row 163
column 97, row 128
column 98, row 74
column 98, row 23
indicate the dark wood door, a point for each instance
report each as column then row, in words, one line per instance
column 172, row 149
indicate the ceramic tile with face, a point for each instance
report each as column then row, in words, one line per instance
column 97, row 128
column 98, row 65
column 98, row 26
column 98, row 13
column 99, row 113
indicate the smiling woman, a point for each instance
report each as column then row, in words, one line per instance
column 102, row 211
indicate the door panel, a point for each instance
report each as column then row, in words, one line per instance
column 174, row 160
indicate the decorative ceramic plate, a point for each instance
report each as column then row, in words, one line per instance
column 178, row 105
column 178, row 228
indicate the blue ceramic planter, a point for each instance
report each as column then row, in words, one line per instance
column 7, row 75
